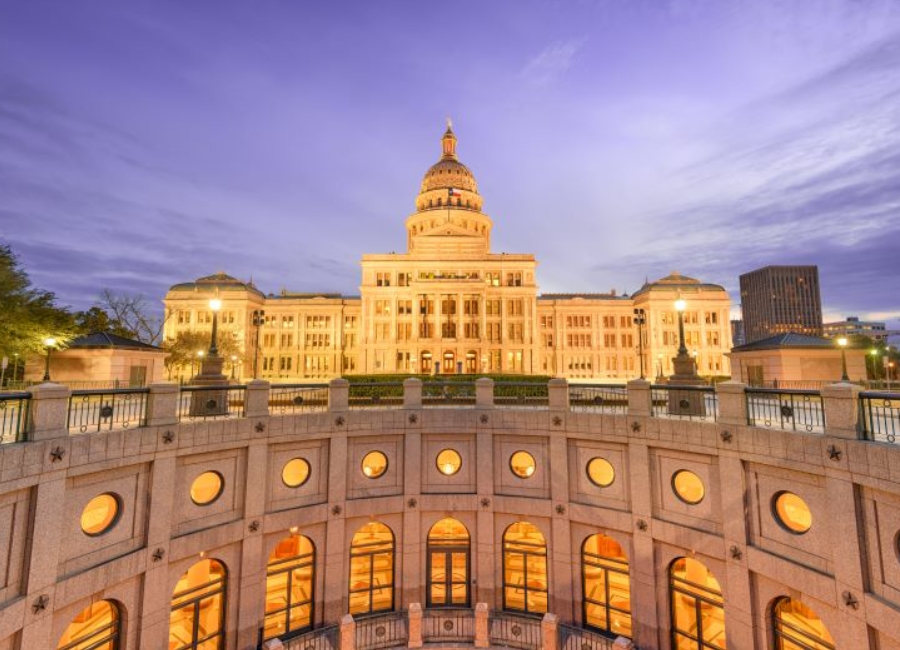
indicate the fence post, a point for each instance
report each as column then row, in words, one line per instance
column 840, row 403
column 48, row 414
column 484, row 393
column 415, row 622
column 338, row 395
column 256, row 399
column 482, row 630
column 549, row 632
column 732, row 403
column 162, row 405
column 639, row 398
column 348, row 632
column 412, row 394
column 558, row 394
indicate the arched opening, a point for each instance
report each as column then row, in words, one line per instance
column 197, row 619
column 797, row 627
column 471, row 362
column 372, row 569
column 448, row 564
column 290, row 587
column 426, row 361
column 606, row 586
column 96, row 627
column 524, row 569
column 449, row 363
column 698, row 614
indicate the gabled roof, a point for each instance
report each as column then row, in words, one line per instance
column 109, row 340
column 789, row 340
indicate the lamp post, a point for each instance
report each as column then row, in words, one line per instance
column 874, row 354
column 842, row 342
column 15, row 375
column 639, row 320
column 258, row 318
column 659, row 366
column 49, row 342
column 233, row 360
column 890, row 374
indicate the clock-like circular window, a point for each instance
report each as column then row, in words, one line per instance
column 601, row 472
column 522, row 464
column 792, row 512
column 100, row 514
column 688, row 487
column 374, row 464
column 448, row 462
column 206, row 488
column 295, row 472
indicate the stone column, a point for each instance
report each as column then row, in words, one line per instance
column 338, row 395
column 415, row 625
column 162, row 405
column 412, row 393
column 558, row 391
column 841, row 405
column 256, row 399
column 253, row 553
column 732, row 403
column 639, row 398
column 484, row 393
column 738, row 593
column 482, row 631
column 549, row 632
column 642, row 561
column 49, row 412
column 335, row 580
column 348, row 633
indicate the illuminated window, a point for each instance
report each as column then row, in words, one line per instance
column 372, row 569
column 524, row 569
column 100, row 514
column 197, row 621
column 688, row 487
column 698, row 614
column 792, row 512
column 797, row 627
column 448, row 564
column 96, row 628
column 206, row 488
column 295, row 472
column 600, row 471
column 607, row 587
column 374, row 464
column 448, row 462
column 522, row 464
column 290, row 586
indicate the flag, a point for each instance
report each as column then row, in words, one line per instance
column 455, row 192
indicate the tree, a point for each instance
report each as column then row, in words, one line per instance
column 28, row 315
column 96, row 319
column 135, row 315
column 184, row 347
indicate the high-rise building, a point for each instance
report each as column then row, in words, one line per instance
column 875, row 330
column 779, row 299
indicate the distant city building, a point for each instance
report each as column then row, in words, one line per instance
column 781, row 299
column 854, row 327
column 737, row 333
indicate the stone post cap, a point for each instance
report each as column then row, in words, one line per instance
column 164, row 387
column 550, row 619
column 484, row 381
column 558, row 381
column 49, row 390
column 841, row 389
column 347, row 619
column 258, row 383
column 481, row 607
column 273, row 644
column 638, row 383
column 412, row 381
column 415, row 608
column 338, row 382
column 730, row 387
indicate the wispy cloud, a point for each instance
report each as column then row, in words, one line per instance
column 552, row 62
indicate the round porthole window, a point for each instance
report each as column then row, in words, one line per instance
column 601, row 472
column 100, row 514
column 792, row 512
column 522, row 464
column 448, row 462
column 295, row 472
column 374, row 464
column 688, row 487
column 206, row 488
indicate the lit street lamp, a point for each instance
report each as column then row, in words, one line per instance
column 874, row 354
column 49, row 342
column 233, row 360
column 257, row 320
column 639, row 320
column 842, row 342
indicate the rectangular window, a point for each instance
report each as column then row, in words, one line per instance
column 493, row 278
column 318, row 322
column 712, row 318
column 285, row 364
column 404, row 307
column 470, row 306
column 712, row 339
column 404, row 279
column 546, row 322
column 471, row 330
column 287, row 321
column 382, row 279
column 627, row 341
column 404, row 331
column 426, row 330
column 426, row 306
column 514, row 279
column 184, row 317
column 287, row 340
column 448, row 306
column 382, row 307
column 492, row 307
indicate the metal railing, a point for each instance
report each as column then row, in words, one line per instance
column 297, row 398
column 382, row 631
column 603, row 398
column 376, row 395
column 515, row 631
column 207, row 402
column 448, row 625
column 879, row 416
column 797, row 410
column 521, row 394
column 578, row 638
column 14, row 409
column 98, row 410
column 324, row 638
column 448, row 393
column 684, row 402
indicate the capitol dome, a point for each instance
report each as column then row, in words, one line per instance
column 448, row 172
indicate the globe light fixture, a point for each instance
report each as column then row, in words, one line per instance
column 842, row 342
column 49, row 342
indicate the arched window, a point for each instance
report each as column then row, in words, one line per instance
column 197, row 621
column 607, row 587
column 96, row 627
column 372, row 569
column 448, row 564
column 698, row 614
column 290, row 586
column 524, row 569
column 797, row 627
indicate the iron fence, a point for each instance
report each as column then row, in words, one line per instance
column 515, row 631
column 684, row 402
column 376, row 395
column 207, row 402
column 382, row 631
column 14, row 409
column 521, row 394
column 448, row 393
column 879, row 416
column 98, row 410
column 296, row 398
column 448, row 625
column 578, row 638
column 603, row 398
column 324, row 638
column 785, row 409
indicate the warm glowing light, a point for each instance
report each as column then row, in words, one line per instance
column 294, row 529
column 215, row 304
column 842, row 341
column 680, row 305
column 49, row 341
column 200, row 353
column 874, row 353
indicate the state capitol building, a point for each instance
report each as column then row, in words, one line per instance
column 449, row 305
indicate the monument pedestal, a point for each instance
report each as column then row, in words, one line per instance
column 209, row 403
column 685, row 402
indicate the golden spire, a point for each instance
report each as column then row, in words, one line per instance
column 448, row 142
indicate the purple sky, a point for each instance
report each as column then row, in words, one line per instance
column 148, row 143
